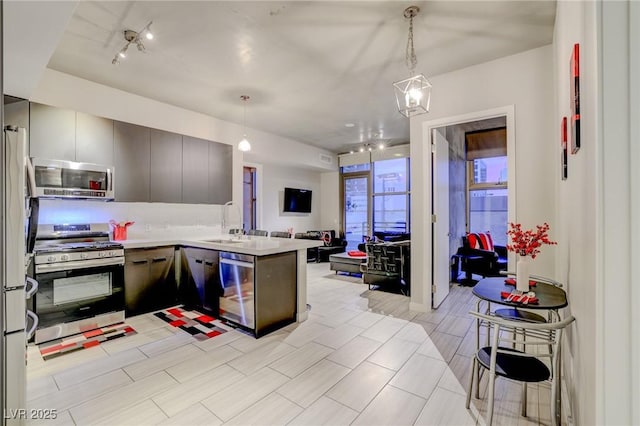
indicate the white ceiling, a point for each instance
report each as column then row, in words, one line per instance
column 309, row 67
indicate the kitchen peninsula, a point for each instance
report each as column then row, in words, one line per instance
column 262, row 281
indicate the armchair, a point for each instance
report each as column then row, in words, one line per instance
column 479, row 256
column 332, row 245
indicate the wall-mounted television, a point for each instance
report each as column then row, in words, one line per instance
column 297, row 200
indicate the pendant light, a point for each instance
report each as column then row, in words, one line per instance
column 244, row 144
column 413, row 95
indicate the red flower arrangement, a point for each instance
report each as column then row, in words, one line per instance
column 528, row 243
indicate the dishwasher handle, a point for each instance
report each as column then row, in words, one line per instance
column 236, row 263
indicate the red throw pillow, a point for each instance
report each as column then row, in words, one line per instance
column 486, row 241
column 474, row 241
column 480, row 240
column 326, row 237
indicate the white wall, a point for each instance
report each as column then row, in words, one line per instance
column 576, row 205
column 275, row 179
column 598, row 207
column 524, row 81
column 330, row 214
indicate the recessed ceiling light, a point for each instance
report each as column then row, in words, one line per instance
column 362, row 149
column 380, row 145
column 349, row 125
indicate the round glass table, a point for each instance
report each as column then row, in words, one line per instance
column 549, row 296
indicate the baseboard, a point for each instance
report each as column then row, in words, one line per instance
column 419, row 307
column 565, row 403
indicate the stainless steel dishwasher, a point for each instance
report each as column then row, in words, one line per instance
column 237, row 303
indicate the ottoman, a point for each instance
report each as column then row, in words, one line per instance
column 342, row 262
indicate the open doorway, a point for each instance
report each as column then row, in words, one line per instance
column 249, row 195
column 477, row 194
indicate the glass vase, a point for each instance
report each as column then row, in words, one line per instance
column 522, row 274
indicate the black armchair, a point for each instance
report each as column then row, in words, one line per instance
column 332, row 245
column 479, row 256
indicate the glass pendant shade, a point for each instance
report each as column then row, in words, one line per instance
column 244, row 145
column 413, row 95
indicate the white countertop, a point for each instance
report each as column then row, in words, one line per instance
column 252, row 245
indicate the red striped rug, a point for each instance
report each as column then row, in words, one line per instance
column 88, row 339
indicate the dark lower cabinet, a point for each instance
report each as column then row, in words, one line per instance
column 149, row 279
column 200, row 287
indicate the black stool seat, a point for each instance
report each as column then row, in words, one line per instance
column 514, row 366
column 518, row 315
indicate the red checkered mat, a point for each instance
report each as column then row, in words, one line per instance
column 85, row 340
column 199, row 325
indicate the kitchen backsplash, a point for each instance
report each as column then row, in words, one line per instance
column 152, row 220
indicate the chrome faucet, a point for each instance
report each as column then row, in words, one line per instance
column 225, row 215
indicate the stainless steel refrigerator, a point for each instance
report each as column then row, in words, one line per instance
column 19, row 213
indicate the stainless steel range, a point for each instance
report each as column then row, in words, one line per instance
column 81, row 277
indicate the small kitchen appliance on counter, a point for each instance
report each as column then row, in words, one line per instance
column 120, row 229
column 81, row 279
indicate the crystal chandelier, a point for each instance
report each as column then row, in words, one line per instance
column 413, row 94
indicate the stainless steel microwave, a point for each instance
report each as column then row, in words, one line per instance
column 69, row 179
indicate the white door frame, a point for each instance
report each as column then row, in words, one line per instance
column 259, row 175
column 421, row 271
column 440, row 227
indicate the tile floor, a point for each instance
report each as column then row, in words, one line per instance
column 362, row 358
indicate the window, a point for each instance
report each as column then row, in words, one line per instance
column 488, row 197
column 391, row 195
column 355, row 168
column 491, row 171
column 488, row 212
column 375, row 193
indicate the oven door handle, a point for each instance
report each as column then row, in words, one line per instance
column 33, row 289
column 33, row 328
column 80, row 264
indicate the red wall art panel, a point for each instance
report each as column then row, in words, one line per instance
column 574, row 82
column 563, row 148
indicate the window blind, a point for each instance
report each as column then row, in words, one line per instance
column 486, row 143
column 355, row 158
column 400, row 151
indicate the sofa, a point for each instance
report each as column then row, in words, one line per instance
column 332, row 245
column 478, row 255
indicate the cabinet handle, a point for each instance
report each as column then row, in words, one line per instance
column 208, row 263
column 139, row 262
column 198, row 260
column 159, row 259
column 109, row 183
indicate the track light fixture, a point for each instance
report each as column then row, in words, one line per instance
column 369, row 146
column 133, row 37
